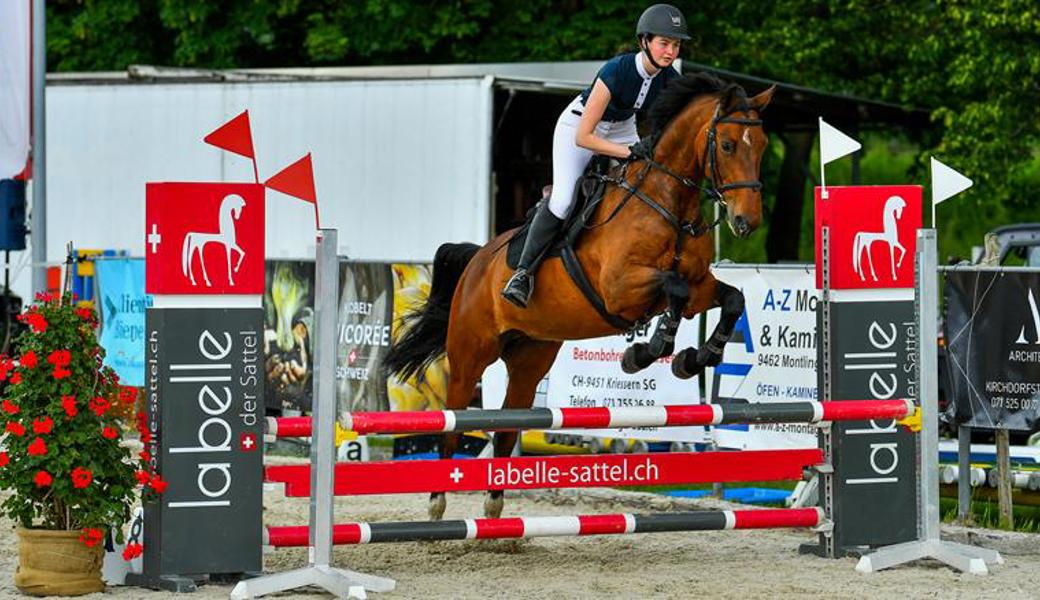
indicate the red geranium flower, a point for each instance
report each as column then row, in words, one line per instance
column 110, row 433
column 128, row 395
column 69, row 404
column 158, row 484
column 38, row 447
column 15, row 428
column 29, row 360
column 4, row 459
column 85, row 313
column 35, row 321
column 43, row 425
column 42, row 479
column 10, row 407
column 146, row 436
column 60, row 357
column 143, row 477
column 16, row 378
column 132, row 551
column 145, row 455
column 81, row 477
column 99, row 405
column 91, row 537
column 61, row 372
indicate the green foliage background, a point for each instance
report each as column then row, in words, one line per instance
column 974, row 64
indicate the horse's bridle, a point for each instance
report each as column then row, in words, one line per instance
column 716, row 191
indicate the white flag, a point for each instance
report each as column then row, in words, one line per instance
column 834, row 144
column 14, row 87
column 946, row 182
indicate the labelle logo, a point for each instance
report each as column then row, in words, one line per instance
column 204, row 238
column 195, row 242
column 1036, row 324
column 872, row 230
column 889, row 237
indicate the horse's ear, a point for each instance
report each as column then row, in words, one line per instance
column 761, row 101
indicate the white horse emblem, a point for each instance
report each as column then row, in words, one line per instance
column 893, row 211
column 195, row 241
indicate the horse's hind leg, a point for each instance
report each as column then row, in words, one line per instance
column 692, row 361
column 527, row 362
column 640, row 356
column 468, row 356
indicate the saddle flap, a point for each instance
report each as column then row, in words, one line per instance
column 588, row 192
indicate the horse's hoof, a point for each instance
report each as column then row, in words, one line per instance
column 493, row 507
column 631, row 359
column 628, row 361
column 438, row 502
column 679, row 365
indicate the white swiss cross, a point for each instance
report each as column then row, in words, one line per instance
column 456, row 475
column 154, row 239
column 247, row 443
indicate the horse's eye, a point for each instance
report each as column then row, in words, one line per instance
column 727, row 146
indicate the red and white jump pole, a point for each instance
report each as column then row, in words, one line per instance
column 440, row 421
column 529, row 527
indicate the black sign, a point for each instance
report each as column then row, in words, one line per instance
column 205, row 403
column 992, row 333
column 873, row 357
column 365, row 320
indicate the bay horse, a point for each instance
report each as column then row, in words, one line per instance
column 649, row 254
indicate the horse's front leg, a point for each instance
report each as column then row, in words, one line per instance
column 641, row 355
column 710, row 292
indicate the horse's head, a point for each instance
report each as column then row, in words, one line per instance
column 895, row 205
column 234, row 204
column 735, row 143
column 710, row 129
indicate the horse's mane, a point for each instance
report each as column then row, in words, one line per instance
column 682, row 91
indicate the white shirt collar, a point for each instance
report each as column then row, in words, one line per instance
column 641, row 68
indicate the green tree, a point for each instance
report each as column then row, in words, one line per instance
column 973, row 64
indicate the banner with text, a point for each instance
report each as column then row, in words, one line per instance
column 772, row 354
column 587, row 373
column 121, row 304
column 993, row 349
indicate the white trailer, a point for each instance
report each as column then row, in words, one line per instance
column 403, row 156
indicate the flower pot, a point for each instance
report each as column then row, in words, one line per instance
column 57, row 563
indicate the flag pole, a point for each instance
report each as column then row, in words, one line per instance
column 256, row 173
column 823, row 166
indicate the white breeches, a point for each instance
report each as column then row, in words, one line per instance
column 570, row 160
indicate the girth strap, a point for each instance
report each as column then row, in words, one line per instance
column 577, row 273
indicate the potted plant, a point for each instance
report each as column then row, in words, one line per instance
column 68, row 475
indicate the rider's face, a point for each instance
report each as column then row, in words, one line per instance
column 664, row 50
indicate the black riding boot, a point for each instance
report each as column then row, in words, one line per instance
column 542, row 232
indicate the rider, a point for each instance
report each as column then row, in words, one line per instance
column 601, row 120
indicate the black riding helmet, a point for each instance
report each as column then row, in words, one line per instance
column 661, row 19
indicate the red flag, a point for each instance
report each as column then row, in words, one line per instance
column 234, row 136
column 297, row 180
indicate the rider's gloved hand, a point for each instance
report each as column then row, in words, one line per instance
column 640, row 151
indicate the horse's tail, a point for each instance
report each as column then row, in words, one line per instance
column 426, row 333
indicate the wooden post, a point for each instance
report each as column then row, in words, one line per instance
column 1007, row 518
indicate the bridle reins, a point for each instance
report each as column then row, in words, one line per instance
column 714, row 189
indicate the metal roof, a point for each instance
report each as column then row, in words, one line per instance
column 793, row 108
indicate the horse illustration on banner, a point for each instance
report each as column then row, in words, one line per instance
column 195, row 241
column 893, row 211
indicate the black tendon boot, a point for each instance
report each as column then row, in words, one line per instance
column 542, row 232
